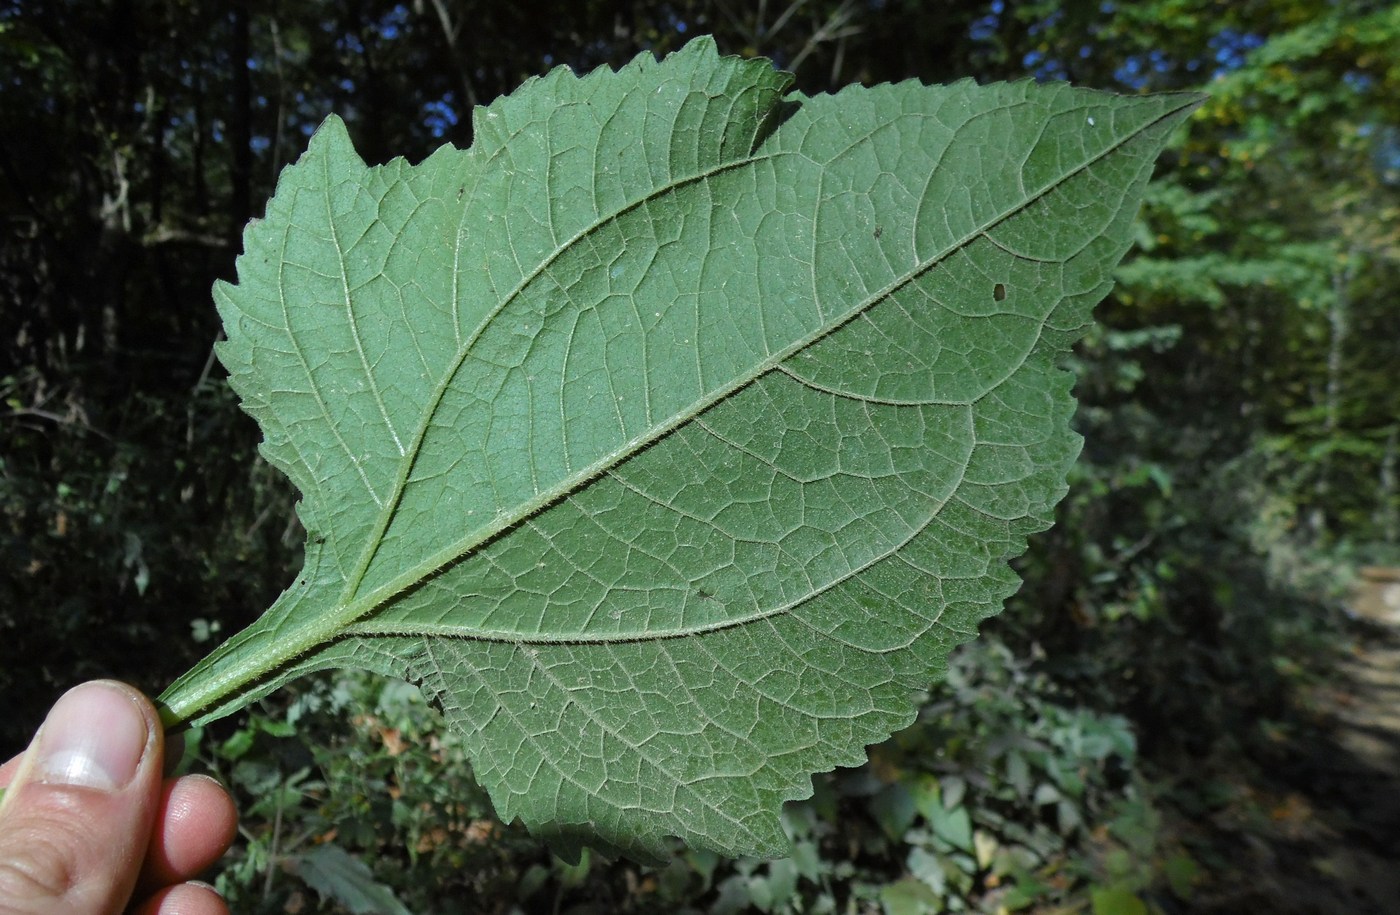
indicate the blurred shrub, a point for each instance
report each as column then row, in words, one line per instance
column 125, row 532
column 1001, row 796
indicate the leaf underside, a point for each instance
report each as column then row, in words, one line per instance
column 673, row 434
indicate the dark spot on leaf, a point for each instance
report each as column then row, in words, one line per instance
column 879, row 230
column 999, row 292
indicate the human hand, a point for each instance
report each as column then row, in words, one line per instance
column 88, row 826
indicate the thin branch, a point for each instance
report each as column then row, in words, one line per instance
column 58, row 419
column 837, row 26
column 165, row 235
column 452, row 32
column 784, row 18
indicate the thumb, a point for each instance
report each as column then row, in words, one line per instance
column 76, row 821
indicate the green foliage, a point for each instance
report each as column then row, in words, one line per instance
column 393, row 787
column 1000, row 795
column 670, row 469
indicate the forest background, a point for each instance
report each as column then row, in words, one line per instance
column 1129, row 737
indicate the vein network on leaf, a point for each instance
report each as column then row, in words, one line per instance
column 672, row 435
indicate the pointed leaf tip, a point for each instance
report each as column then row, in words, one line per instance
column 332, row 140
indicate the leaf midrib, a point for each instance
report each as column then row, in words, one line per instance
column 358, row 607
column 351, row 608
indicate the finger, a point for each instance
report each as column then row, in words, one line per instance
column 184, row 899
column 8, row 770
column 76, row 819
column 195, row 826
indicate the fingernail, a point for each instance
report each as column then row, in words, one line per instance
column 95, row 736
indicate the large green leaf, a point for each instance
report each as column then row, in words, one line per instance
column 674, row 433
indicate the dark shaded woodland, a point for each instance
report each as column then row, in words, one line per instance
column 1163, row 692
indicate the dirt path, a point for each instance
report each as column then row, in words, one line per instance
column 1358, row 771
column 1332, row 843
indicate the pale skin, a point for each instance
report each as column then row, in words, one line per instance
column 90, row 826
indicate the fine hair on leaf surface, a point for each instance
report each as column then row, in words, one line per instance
column 672, row 434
